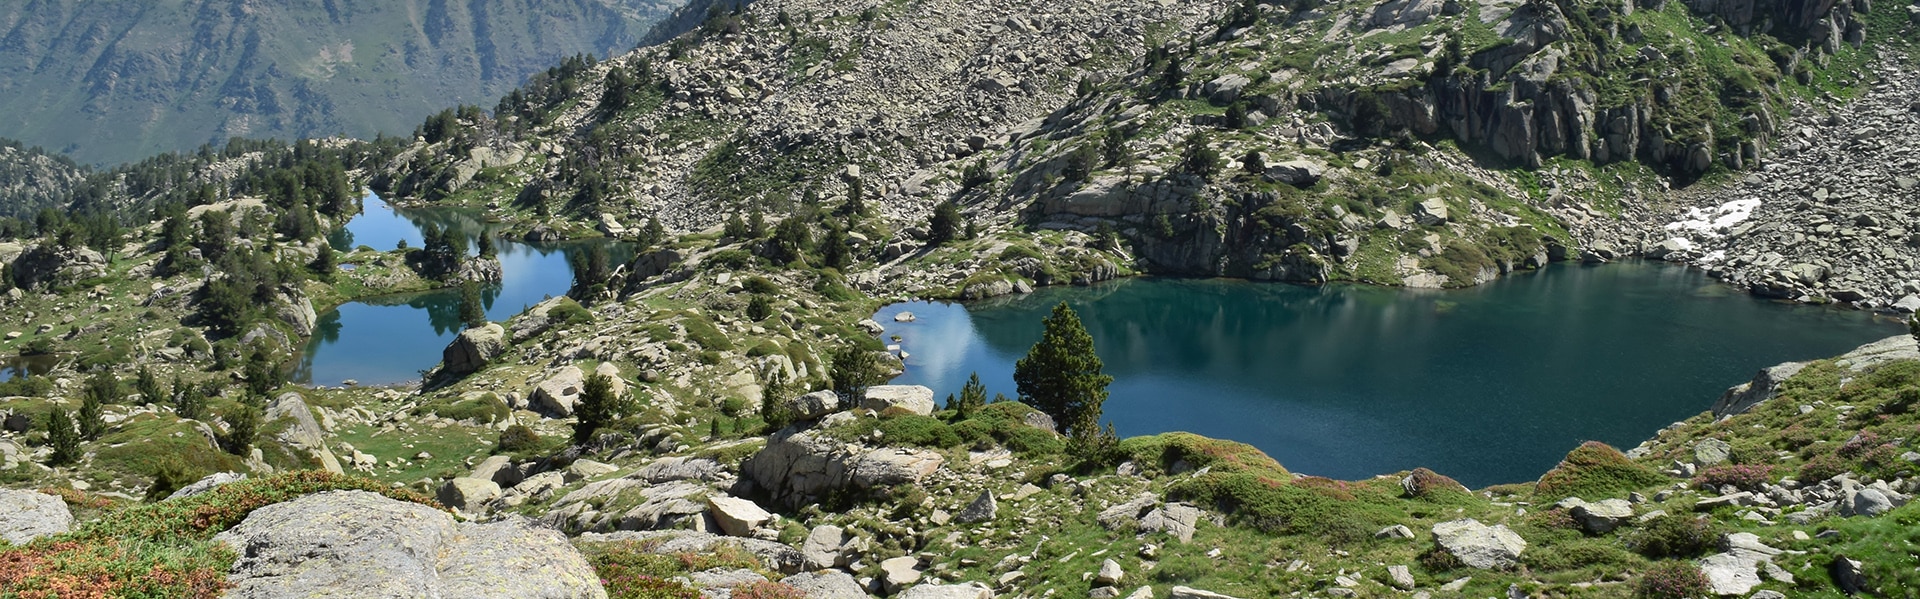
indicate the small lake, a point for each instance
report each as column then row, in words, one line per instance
column 1488, row 385
column 15, row 366
column 392, row 339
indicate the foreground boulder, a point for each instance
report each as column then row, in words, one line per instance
column 363, row 545
column 558, row 394
column 1478, row 545
column 28, row 515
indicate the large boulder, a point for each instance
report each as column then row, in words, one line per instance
column 1192, row 593
column 826, row 585
column 304, row 432
column 558, row 394
column 1604, row 516
column 1478, row 545
column 363, row 545
column 800, row 467
column 912, row 398
column 814, row 405
column 738, row 517
column 468, row 494
column 535, row 320
column 49, row 266
column 473, row 349
column 207, row 484
column 1298, row 173
column 28, row 515
column 826, row 547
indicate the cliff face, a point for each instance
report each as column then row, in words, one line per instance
column 111, row 81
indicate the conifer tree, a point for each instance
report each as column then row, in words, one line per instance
column 599, row 406
column 472, row 312
column 101, row 390
column 62, row 438
column 972, row 396
column 1061, row 376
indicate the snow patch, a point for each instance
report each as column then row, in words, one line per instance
column 1714, row 222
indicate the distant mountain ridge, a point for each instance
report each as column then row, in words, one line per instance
column 109, row 82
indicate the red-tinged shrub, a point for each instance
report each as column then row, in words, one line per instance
column 767, row 590
column 1744, row 476
column 1595, row 470
column 1672, row 580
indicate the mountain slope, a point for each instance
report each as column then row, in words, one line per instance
column 31, row 179
column 111, row 81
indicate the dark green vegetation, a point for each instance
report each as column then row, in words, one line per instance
column 283, row 70
column 1061, row 375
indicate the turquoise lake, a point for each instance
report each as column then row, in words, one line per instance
column 1488, row 385
column 392, row 339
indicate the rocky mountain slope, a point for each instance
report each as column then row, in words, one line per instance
column 1406, row 143
column 31, row 179
column 107, row 82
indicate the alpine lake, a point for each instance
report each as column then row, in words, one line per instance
column 1489, row 385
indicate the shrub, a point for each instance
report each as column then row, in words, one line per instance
column 924, row 431
column 1822, row 467
column 1595, row 470
column 1744, row 476
column 569, row 312
column 761, row 285
column 1858, row 445
column 1672, row 580
column 767, row 590
column 759, row 308
column 1674, row 536
column 1427, row 484
column 518, row 437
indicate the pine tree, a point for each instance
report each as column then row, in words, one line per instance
column 149, row 387
column 101, row 390
column 62, row 438
column 189, row 401
column 656, row 234
column 973, row 396
column 599, row 406
column 1199, row 158
column 486, row 249
column 735, row 228
column 243, row 426
column 1061, row 375
column 757, row 222
column 324, row 264
column 472, row 312
column 853, row 369
column 944, row 225
column 263, row 375
column 759, row 308
column 773, row 399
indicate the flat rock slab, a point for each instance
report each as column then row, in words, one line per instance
column 355, row 544
column 1478, row 545
column 28, row 515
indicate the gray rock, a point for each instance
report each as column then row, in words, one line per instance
column 1709, row 452
column 1478, row 545
column 207, row 484
column 899, row 572
column 1110, row 574
column 1180, row 592
column 1130, row 511
column 1866, row 502
column 473, row 349
column 1431, row 212
column 360, row 544
column 798, row 467
column 983, row 509
column 825, row 547
column 738, row 517
column 1848, row 575
column 914, row 399
column 1177, row 519
column 947, row 591
column 682, row 468
column 28, row 515
column 814, row 405
column 1298, row 173
column 1397, row 531
column 1604, row 516
column 826, row 585
column 1729, row 574
column 469, row 495
column 498, row 469
column 560, row 392
column 1401, row 577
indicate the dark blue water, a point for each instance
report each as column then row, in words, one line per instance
column 394, row 339
column 1489, row 385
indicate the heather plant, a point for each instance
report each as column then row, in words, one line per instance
column 1672, row 580
column 1744, row 476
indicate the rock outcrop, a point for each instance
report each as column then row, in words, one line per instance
column 1480, row 546
column 473, row 349
column 801, row 466
column 362, row 545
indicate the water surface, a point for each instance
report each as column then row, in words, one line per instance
column 1489, row 385
column 394, row 339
